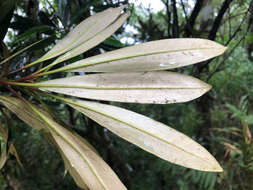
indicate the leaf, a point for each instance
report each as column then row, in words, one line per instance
column 150, row 135
column 7, row 9
column 21, row 51
column 92, row 42
column 83, row 32
column 155, row 55
column 145, row 87
column 27, row 34
column 3, row 156
column 12, row 150
column 85, row 166
column 88, row 169
column 23, row 111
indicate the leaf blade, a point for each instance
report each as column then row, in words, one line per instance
column 152, row 136
column 92, row 171
column 83, row 31
column 92, row 42
column 149, row 87
column 23, row 111
column 150, row 56
column 3, row 156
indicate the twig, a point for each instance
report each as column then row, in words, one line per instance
column 238, row 28
column 226, row 57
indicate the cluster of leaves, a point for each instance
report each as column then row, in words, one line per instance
column 230, row 76
column 127, row 75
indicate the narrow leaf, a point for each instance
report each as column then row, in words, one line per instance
column 92, row 42
column 12, row 150
column 150, row 135
column 83, row 31
column 21, row 51
column 23, row 111
column 85, row 164
column 4, row 134
column 148, row 87
column 86, row 167
column 155, row 55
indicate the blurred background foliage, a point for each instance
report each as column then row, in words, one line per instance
column 221, row 120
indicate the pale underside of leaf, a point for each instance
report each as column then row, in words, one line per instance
column 95, row 40
column 145, row 87
column 84, row 162
column 155, row 55
column 88, row 169
column 84, row 31
column 150, row 135
column 23, row 111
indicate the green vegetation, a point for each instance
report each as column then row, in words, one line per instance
column 221, row 120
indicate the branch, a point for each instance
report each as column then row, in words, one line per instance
column 228, row 55
column 193, row 17
column 230, row 39
column 175, row 27
column 218, row 19
column 239, row 27
column 185, row 14
column 167, row 5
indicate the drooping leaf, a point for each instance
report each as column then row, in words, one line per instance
column 23, row 111
column 150, row 135
column 145, row 87
column 155, row 55
column 4, row 135
column 83, row 31
column 92, row 42
column 86, row 167
column 12, row 150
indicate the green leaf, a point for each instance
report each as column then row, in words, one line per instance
column 21, row 51
column 155, row 55
column 7, row 9
column 83, row 32
column 150, row 135
column 26, row 35
column 146, row 87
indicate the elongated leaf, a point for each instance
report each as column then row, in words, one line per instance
column 3, row 156
column 152, row 136
column 155, row 55
column 92, row 42
column 88, row 168
column 23, row 111
column 21, row 51
column 84, row 164
column 149, row 87
column 12, row 150
column 27, row 34
column 84, row 31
